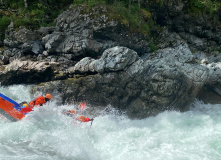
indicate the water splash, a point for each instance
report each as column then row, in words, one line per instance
column 47, row 134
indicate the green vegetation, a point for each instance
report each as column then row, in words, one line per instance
column 90, row 2
column 207, row 6
column 134, row 14
column 37, row 13
column 153, row 47
column 135, row 17
column 4, row 22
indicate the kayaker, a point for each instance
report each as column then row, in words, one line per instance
column 39, row 101
column 84, row 119
column 71, row 113
column 25, row 107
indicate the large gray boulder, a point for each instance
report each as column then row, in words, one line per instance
column 169, row 79
column 211, row 92
column 25, row 41
column 85, row 31
column 113, row 59
column 27, row 72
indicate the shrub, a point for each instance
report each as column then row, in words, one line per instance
column 4, row 22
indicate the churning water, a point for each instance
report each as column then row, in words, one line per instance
column 48, row 135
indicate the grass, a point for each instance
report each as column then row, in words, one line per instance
column 138, row 20
column 37, row 14
column 42, row 13
column 90, row 2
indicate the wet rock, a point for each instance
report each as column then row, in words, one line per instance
column 91, row 55
column 26, row 72
column 35, row 47
column 168, row 79
column 113, row 59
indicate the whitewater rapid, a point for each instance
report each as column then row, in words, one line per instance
column 47, row 134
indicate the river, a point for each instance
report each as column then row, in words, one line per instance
column 47, row 134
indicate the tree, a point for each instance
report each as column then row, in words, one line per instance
column 129, row 5
column 139, row 4
column 26, row 3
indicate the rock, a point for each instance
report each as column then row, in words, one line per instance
column 168, row 79
column 45, row 53
column 199, row 29
column 25, row 40
column 216, row 57
column 4, row 60
column 92, row 55
column 26, row 72
column 113, row 59
column 204, row 61
column 51, row 41
column 88, row 34
column 15, row 39
column 25, row 65
column 43, row 31
column 82, row 66
column 1, row 43
column 211, row 91
column 118, row 58
column 35, row 47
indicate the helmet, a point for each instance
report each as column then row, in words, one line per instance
column 81, row 118
column 26, row 105
column 48, row 96
column 72, row 111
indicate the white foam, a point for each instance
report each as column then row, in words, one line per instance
column 49, row 135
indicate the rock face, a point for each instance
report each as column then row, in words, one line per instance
column 88, row 33
column 79, row 33
column 92, row 56
column 200, row 30
column 169, row 79
column 95, row 30
column 30, row 72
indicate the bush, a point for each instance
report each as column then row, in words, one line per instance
column 90, row 2
column 207, row 6
column 4, row 22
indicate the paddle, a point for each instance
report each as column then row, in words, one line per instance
column 92, row 121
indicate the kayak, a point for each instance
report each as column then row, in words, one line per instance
column 14, row 112
column 10, row 109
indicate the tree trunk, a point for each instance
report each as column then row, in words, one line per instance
column 139, row 5
column 26, row 3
